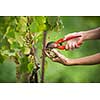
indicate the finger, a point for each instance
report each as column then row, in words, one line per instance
column 57, row 53
column 59, row 60
column 70, row 46
column 56, row 59
column 66, row 47
column 73, row 45
column 72, row 35
column 80, row 41
column 47, row 53
column 66, row 36
column 77, row 46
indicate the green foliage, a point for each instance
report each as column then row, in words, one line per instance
column 1, row 58
column 18, row 35
column 30, row 67
column 54, row 23
column 7, row 71
column 24, row 64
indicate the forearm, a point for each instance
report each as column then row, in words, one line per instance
column 93, row 59
column 92, row 34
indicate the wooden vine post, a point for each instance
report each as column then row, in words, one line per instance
column 43, row 56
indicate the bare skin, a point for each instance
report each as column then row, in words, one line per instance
column 89, row 60
column 85, row 35
column 75, row 43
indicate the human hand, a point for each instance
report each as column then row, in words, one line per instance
column 76, row 42
column 58, row 57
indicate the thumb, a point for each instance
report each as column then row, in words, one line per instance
column 72, row 36
column 80, row 41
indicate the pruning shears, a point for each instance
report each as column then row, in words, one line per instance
column 58, row 43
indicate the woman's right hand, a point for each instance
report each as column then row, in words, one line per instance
column 74, row 43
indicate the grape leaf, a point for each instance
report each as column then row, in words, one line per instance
column 30, row 67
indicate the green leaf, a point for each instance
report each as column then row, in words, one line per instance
column 15, row 45
column 38, row 40
column 42, row 27
column 34, row 27
column 24, row 62
column 4, row 44
column 30, row 66
column 10, row 32
column 40, row 19
column 19, row 38
column 1, row 58
column 21, row 25
column 26, row 50
column 52, row 20
column 9, row 53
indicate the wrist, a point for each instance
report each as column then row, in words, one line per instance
column 73, row 62
column 83, row 35
column 70, row 62
column 91, row 34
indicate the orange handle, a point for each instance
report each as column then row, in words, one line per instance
column 61, row 47
column 63, row 40
column 72, row 37
column 69, row 38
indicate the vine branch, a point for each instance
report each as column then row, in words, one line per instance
column 35, row 70
column 43, row 55
column 33, row 78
